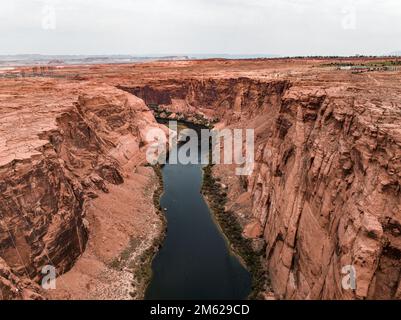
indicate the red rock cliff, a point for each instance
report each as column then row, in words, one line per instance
column 325, row 192
column 63, row 151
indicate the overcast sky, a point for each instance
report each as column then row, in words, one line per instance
column 283, row 27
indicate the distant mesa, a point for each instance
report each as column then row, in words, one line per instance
column 56, row 62
column 38, row 59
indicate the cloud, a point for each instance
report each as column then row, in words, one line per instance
column 287, row 27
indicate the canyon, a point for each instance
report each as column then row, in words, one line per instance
column 76, row 191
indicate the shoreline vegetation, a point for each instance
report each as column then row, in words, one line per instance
column 226, row 221
column 163, row 115
column 216, row 198
column 148, row 255
column 141, row 265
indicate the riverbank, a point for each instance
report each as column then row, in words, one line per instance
column 126, row 231
column 215, row 194
column 138, row 258
column 195, row 261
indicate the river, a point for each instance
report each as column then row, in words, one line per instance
column 195, row 261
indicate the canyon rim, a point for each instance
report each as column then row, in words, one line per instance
column 77, row 193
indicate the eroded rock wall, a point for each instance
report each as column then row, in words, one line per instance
column 45, row 189
column 325, row 192
column 227, row 100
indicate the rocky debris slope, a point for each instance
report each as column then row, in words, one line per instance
column 59, row 148
column 325, row 192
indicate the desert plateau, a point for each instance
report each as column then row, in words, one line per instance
column 77, row 193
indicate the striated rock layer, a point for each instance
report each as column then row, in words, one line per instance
column 325, row 192
column 60, row 153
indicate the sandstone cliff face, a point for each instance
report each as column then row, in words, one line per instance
column 325, row 192
column 41, row 216
column 15, row 288
column 225, row 99
column 51, row 166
